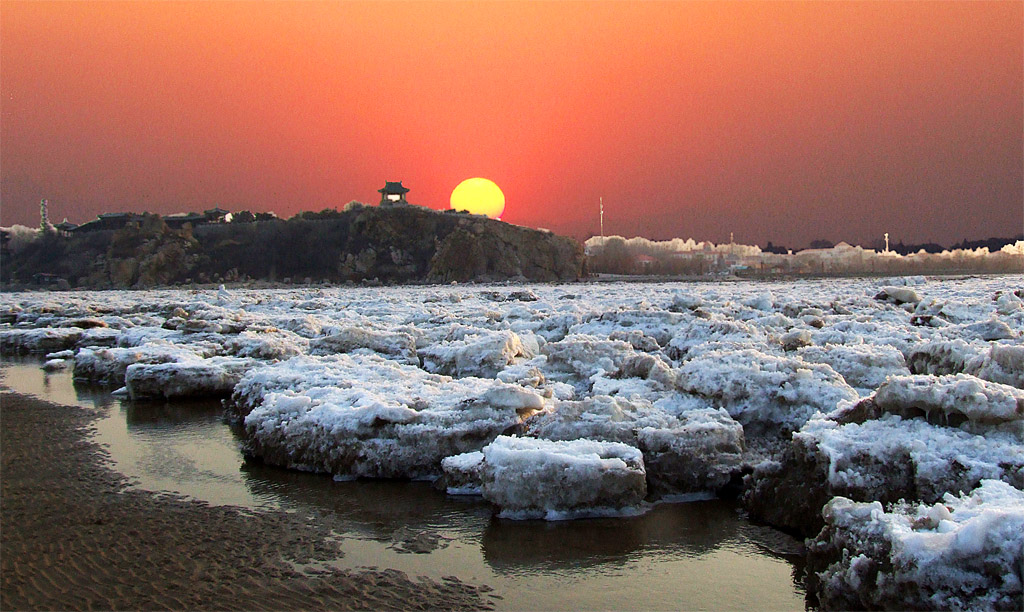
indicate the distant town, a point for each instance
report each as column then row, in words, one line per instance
column 618, row 255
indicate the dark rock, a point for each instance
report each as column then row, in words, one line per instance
column 392, row 245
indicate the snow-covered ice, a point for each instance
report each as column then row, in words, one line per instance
column 916, row 438
column 361, row 415
column 763, row 390
column 964, row 552
column 875, row 390
column 216, row 376
column 688, row 446
column 531, row 478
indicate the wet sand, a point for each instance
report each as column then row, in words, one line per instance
column 74, row 537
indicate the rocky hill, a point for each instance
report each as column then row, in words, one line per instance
column 402, row 244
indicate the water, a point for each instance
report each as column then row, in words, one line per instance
column 697, row 555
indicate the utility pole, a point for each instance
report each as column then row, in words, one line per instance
column 602, row 216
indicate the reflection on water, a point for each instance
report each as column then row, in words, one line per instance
column 676, row 531
column 699, row 555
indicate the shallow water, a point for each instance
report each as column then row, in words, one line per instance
column 696, row 555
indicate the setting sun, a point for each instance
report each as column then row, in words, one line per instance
column 479, row 196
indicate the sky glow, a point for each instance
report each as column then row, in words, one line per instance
column 780, row 121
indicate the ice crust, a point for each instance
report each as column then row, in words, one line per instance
column 365, row 416
column 952, row 399
column 531, row 478
column 764, row 390
column 693, row 450
column 216, row 376
column 965, row 552
column 873, row 390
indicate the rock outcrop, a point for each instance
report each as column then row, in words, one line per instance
column 388, row 245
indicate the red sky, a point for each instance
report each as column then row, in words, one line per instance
column 776, row 121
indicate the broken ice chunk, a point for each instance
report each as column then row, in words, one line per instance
column 795, row 339
column 884, row 459
column 953, row 399
column 764, row 390
column 964, row 553
column 483, row 354
column 898, row 295
column 212, row 377
column 462, row 473
column 266, row 344
column 397, row 345
column 361, row 415
column 863, row 366
column 529, row 478
column 702, row 453
column 53, row 365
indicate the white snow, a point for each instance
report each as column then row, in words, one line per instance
column 216, row 376
column 355, row 415
column 965, row 552
column 764, row 389
column 892, row 453
column 391, row 381
column 528, row 478
column 952, row 398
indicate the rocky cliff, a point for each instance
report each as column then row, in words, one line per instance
column 407, row 244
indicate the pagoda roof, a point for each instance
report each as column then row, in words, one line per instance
column 393, row 187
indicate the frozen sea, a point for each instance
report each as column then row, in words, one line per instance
column 699, row 555
column 594, row 406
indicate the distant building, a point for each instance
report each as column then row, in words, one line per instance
column 65, row 227
column 644, row 264
column 217, row 215
column 393, row 194
column 108, row 221
column 178, row 220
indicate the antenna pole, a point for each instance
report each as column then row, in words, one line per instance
column 602, row 216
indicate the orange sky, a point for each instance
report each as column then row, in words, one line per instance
column 776, row 121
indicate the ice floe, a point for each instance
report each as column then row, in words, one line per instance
column 964, row 552
column 530, row 478
column 363, row 415
column 870, row 391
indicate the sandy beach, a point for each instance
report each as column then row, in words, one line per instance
column 75, row 537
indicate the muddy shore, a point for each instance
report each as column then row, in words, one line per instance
column 73, row 536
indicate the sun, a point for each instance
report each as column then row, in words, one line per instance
column 480, row 197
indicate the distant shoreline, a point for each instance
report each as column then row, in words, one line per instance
column 591, row 279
